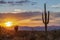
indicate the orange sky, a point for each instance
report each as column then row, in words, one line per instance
column 26, row 19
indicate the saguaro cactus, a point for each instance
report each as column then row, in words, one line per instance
column 45, row 18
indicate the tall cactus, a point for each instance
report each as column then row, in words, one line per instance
column 45, row 19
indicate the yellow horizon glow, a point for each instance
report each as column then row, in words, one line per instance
column 8, row 24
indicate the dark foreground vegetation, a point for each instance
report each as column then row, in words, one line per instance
column 28, row 35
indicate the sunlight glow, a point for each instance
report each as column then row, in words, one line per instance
column 8, row 24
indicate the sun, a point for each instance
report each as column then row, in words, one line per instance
column 8, row 24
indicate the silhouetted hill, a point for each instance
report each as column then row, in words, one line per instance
column 38, row 28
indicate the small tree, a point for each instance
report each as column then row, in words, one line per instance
column 16, row 28
column 16, row 31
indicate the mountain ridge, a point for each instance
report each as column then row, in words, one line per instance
column 39, row 28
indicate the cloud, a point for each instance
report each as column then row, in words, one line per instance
column 30, row 18
column 21, row 15
column 57, row 14
column 55, row 18
column 37, row 19
column 21, row 2
column 18, row 11
column 56, row 6
column 23, row 18
column 17, row 2
column 15, row 11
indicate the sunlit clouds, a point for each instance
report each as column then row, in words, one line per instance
column 29, row 18
column 56, row 6
column 18, row 11
column 29, row 12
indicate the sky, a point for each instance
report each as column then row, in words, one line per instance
column 28, row 12
column 29, row 5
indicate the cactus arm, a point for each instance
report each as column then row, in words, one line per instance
column 43, row 18
column 48, row 17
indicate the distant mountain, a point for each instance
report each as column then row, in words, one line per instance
column 38, row 28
